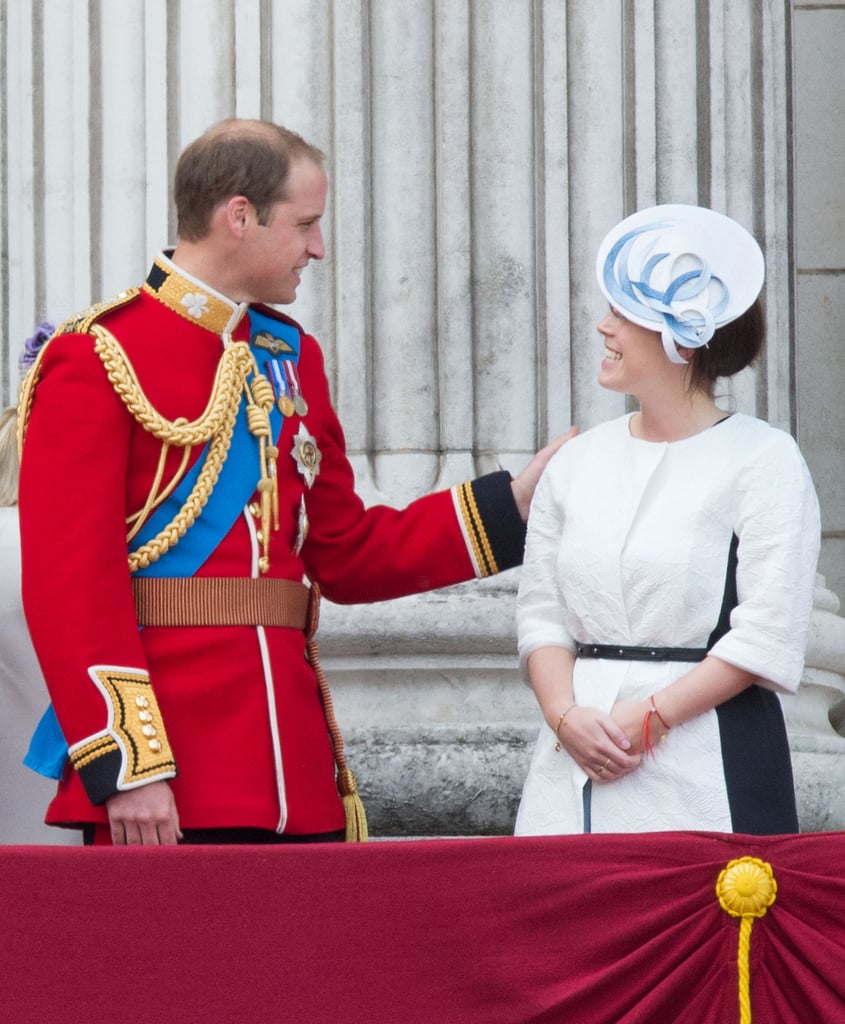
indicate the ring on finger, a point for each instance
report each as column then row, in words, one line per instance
column 606, row 764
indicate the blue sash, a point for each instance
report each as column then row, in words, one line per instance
column 48, row 751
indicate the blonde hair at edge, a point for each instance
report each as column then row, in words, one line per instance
column 9, row 466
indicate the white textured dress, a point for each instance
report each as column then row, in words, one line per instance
column 23, row 697
column 628, row 543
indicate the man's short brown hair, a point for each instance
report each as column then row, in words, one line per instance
column 235, row 158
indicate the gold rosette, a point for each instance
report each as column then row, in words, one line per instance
column 747, row 887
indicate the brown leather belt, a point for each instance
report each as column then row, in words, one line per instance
column 225, row 601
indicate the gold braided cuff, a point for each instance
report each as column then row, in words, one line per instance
column 474, row 530
column 490, row 522
column 133, row 749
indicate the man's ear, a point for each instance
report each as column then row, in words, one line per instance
column 238, row 210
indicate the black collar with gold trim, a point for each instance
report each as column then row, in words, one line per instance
column 191, row 299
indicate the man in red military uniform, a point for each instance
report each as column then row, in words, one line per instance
column 188, row 427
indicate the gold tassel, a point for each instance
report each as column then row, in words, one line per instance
column 347, row 785
column 356, row 817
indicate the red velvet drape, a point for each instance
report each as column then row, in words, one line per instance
column 580, row 929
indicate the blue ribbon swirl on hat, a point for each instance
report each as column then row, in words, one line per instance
column 691, row 325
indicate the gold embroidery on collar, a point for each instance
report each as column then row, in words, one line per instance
column 188, row 298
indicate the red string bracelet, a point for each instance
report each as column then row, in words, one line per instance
column 660, row 717
column 645, row 734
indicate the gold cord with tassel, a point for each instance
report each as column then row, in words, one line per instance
column 353, row 807
column 259, row 403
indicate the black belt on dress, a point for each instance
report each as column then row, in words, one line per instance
column 621, row 653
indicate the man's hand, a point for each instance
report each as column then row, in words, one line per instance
column 524, row 484
column 145, row 816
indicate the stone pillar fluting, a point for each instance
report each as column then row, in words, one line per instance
column 815, row 718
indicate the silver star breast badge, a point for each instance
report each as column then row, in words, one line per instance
column 306, row 454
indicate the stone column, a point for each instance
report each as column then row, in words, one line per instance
column 815, row 717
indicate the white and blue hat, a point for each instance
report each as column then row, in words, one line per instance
column 682, row 271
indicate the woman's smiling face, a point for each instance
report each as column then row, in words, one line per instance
column 633, row 355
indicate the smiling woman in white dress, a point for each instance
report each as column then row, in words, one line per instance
column 670, row 563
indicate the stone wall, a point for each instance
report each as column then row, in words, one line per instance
column 819, row 137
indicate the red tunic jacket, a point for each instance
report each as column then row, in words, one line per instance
column 234, row 711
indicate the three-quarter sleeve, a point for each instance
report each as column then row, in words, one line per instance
column 777, row 524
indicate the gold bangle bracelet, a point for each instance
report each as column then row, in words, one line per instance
column 562, row 721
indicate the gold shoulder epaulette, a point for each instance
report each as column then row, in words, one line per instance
column 80, row 323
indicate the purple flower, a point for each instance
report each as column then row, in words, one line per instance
column 32, row 346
